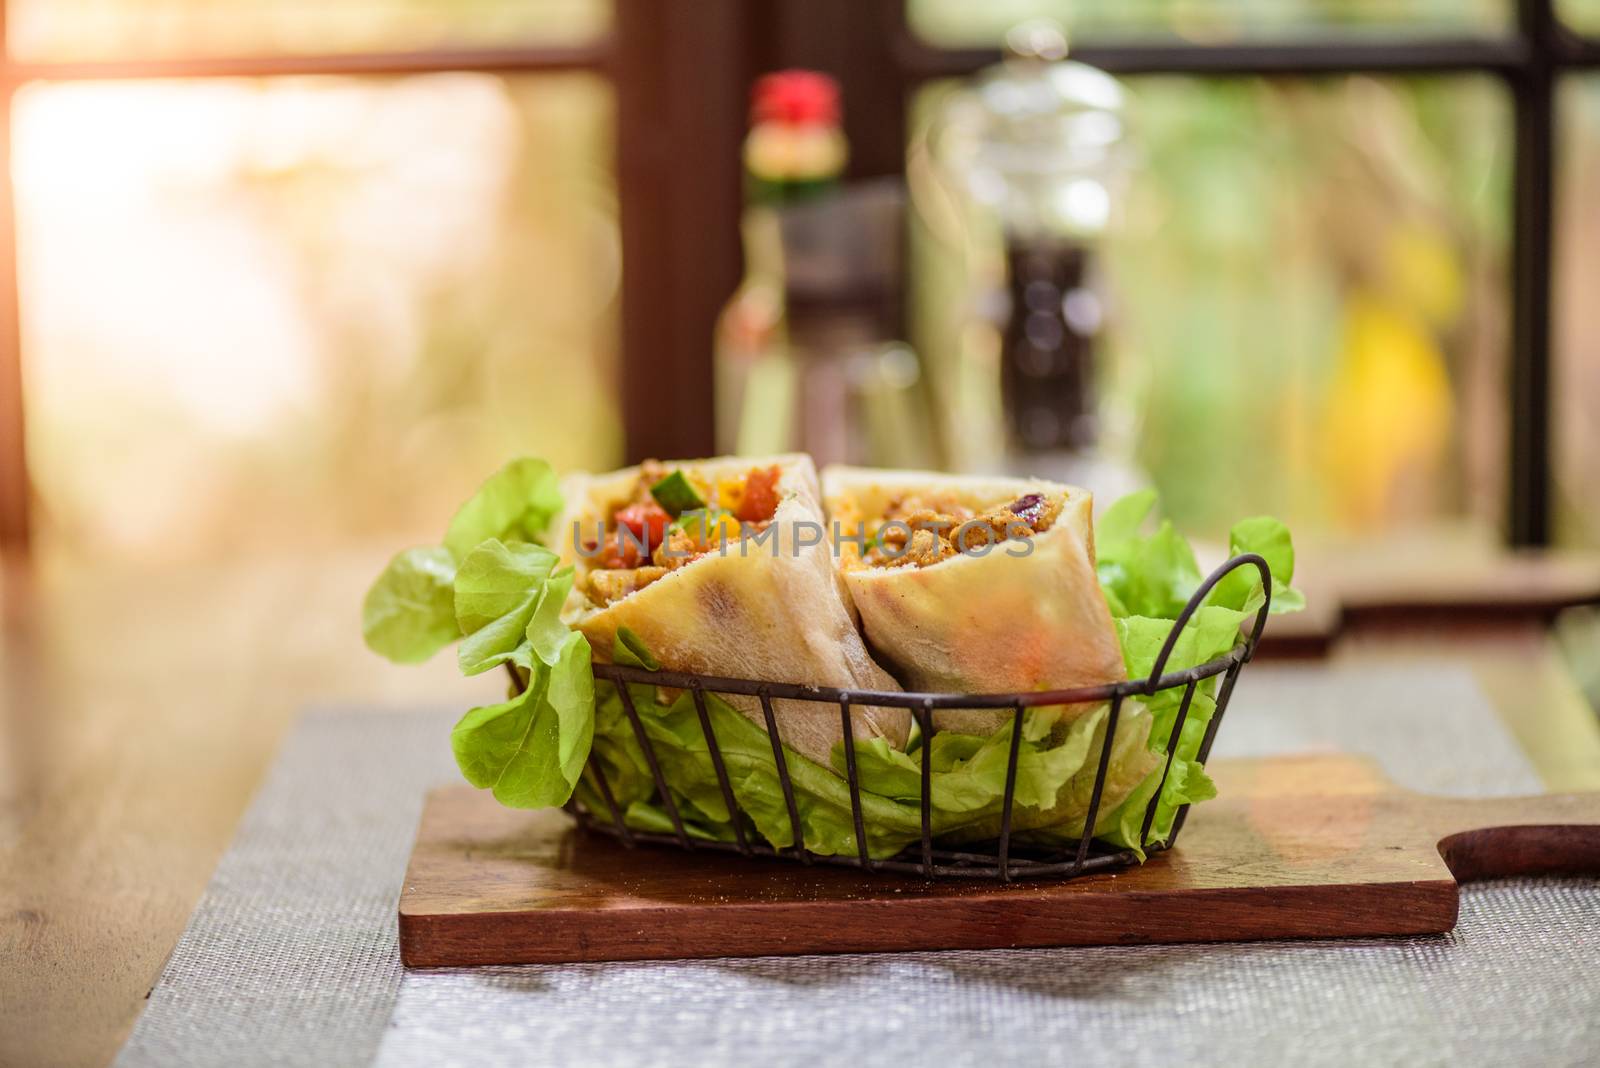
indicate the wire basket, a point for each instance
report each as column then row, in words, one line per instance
column 1001, row 859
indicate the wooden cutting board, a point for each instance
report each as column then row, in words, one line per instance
column 1305, row 847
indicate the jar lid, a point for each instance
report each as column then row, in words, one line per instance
column 1038, row 137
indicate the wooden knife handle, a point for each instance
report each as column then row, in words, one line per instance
column 1491, row 838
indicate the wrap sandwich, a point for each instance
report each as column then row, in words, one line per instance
column 1015, row 606
column 969, row 584
column 644, row 588
column 721, row 567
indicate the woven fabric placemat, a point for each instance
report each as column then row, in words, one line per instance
column 290, row 957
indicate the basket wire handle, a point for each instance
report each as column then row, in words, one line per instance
column 1224, row 692
column 1166, row 769
column 611, row 804
column 1158, row 669
column 925, row 722
column 721, row 769
column 1011, row 792
column 854, row 779
column 1198, row 598
column 655, row 767
column 1090, row 816
column 783, row 777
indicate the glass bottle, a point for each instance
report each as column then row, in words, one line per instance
column 794, row 152
column 1038, row 144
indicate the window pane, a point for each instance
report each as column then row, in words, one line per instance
column 1580, row 15
column 1307, row 308
column 1576, row 397
column 101, row 29
column 961, row 22
column 296, row 312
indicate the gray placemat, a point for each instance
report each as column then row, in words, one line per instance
column 290, row 958
column 1512, row 985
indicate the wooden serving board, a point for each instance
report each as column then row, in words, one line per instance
column 489, row 885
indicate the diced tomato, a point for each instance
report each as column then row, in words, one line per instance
column 647, row 521
column 760, row 498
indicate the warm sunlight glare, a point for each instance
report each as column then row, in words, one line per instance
column 230, row 286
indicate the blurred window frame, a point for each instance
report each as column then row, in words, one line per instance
column 681, row 72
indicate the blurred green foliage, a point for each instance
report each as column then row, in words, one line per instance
column 1309, row 299
column 1306, row 299
column 1582, row 16
column 1308, row 279
column 957, row 22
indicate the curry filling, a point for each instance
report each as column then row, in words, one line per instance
column 672, row 518
column 924, row 530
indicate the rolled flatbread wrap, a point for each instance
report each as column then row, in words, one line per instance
column 1020, row 609
column 658, row 549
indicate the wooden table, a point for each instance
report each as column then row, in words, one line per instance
column 140, row 711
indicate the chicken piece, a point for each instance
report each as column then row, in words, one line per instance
column 927, row 547
column 608, row 587
column 991, row 528
column 680, row 548
column 923, row 535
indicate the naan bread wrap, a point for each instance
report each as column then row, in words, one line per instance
column 999, row 622
column 774, row 611
column 991, row 623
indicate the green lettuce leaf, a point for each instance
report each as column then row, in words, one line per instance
column 822, row 798
column 497, row 589
column 1211, row 632
column 1148, row 580
column 409, row 613
column 492, row 587
column 672, row 724
column 1119, row 525
column 570, row 692
column 531, row 749
column 1186, row 781
column 967, row 772
column 1142, row 575
column 1241, row 588
column 546, row 633
column 1055, row 773
column 516, row 503
column 616, row 753
column 1053, row 793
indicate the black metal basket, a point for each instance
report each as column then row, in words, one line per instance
column 1001, row 859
